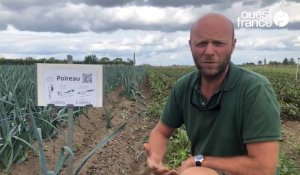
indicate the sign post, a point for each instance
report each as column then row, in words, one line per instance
column 70, row 128
column 70, row 138
column 69, row 85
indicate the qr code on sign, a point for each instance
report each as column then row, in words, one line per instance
column 87, row 78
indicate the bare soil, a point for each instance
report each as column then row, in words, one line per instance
column 124, row 154
column 291, row 141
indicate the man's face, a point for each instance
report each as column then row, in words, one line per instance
column 211, row 45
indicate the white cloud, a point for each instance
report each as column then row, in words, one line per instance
column 249, row 39
column 297, row 42
column 149, row 37
column 68, row 18
column 116, row 44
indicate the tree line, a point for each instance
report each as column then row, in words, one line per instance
column 89, row 59
column 286, row 61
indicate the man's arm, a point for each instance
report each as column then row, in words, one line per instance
column 262, row 159
column 157, row 146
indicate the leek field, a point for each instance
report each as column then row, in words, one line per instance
column 22, row 122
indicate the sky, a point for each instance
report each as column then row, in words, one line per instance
column 157, row 31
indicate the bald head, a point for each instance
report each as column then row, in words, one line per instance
column 212, row 42
column 213, row 21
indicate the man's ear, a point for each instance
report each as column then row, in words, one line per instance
column 190, row 44
column 233, row 45
column 234, row 41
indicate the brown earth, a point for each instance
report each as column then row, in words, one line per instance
column 291, row 141
column 124, row 154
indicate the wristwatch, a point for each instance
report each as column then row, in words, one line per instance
column 199, row 159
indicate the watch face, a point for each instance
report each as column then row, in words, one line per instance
column 199, row 158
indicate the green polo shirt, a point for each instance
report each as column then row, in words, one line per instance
column 242, row 111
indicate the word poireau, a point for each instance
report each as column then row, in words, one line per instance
column 67, row 78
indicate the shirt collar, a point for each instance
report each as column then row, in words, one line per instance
column 232, row 76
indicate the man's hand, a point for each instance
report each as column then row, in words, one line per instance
column 189, row 162
column 155, row 164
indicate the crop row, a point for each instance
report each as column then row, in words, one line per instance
column 18, row 107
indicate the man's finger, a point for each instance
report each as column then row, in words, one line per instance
column 147, row 149
column 171, row 172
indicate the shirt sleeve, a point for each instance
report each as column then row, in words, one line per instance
column 261, row 117
column 172, row 114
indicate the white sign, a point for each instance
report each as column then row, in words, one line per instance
column 69, row 84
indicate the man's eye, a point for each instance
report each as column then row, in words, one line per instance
column 218, row 43
column 201, row 44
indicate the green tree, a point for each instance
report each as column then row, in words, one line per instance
column 259, row 62
column 91, row 59
column 274, row 63
column 292, row 61
column 265, row 61
column 51, row 60
column 118, row 60
column 285, row 61
column 104, row 59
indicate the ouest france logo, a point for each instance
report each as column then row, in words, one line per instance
column 262, row 19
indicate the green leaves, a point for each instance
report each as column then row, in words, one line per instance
column 178, row 149
column 125, row 76
column 161, row 80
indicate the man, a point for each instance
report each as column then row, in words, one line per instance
column 230, row 114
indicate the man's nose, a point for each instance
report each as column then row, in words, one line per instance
column 209, row 50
